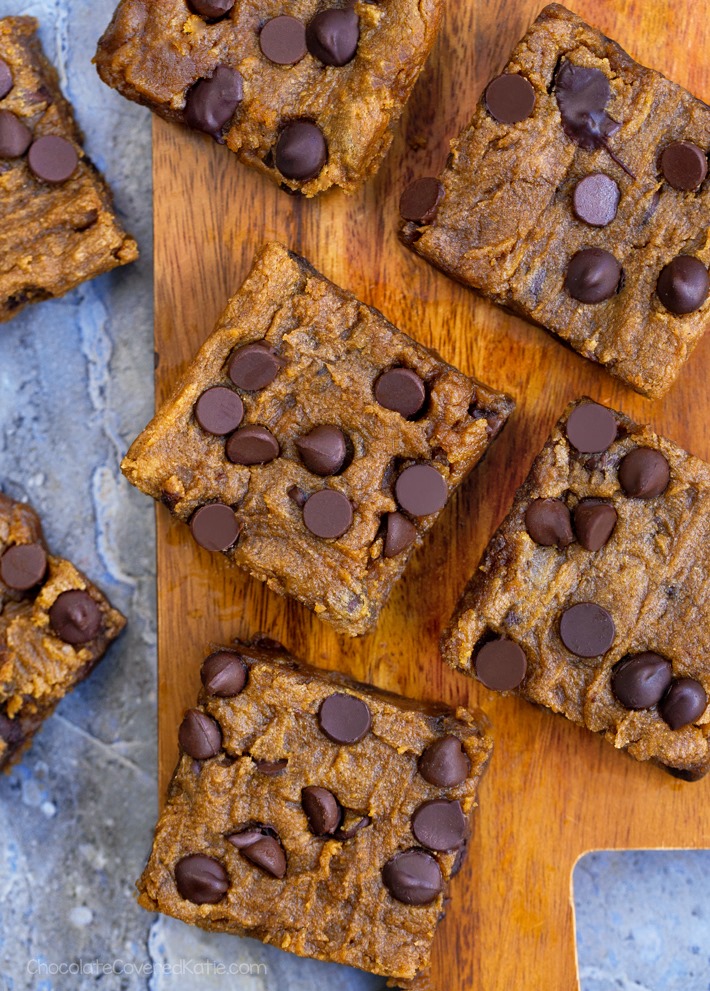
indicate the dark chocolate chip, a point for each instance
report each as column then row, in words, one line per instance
column 592, row 275
column 297, row 495
column 200, row 879
column 211, row 8
column 510, row 98
column 596, row 199
column 582, row 95
column 344, row 718
column 328, row 514
column 23, row 566
column 271, row 767
column 683, row 703
column 440, row 825
column 332, row 35
column 591, row 428
column 10, row 731
column 261, row 849
column 75, row 617
column 199, row 735
column 445, row 763
column 253, row 367
column 401, row 390
column 413, row 877
column 594, row 523
column 587, row 629
column 219, row 410
column 252, row 445
column 419, row 202
column 641, row 681
column 15, row 137
column 548, row 523
column 215, row 527
column 683, row 285
column 5, row 78
column 322, row 810
column 501, row 665
column 684, row 165
column 323, row 450
column 224, row 674
column 347, row 831
column 211, row 103
column 52, row 158
column 283, row 40
column 644, row 473
column 401, row 534
column 246, row 837
column 421, row 490
column 301, row 150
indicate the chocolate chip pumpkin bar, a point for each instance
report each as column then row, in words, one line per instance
column 55, row 626
column 578, row 198
column 308, row 93
column 593, row 598
column 58, row 225
column 314, row 443
column 315, row 813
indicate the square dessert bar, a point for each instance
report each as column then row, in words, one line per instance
column 306, row 92
column 315, row 813
column 58, row 225
column 577, row 197
column 593, row 598
column 55, row 626
column 313, row 442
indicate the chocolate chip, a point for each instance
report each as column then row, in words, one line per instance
column 301, row 150
column 252, row 445
column 297, row 495
column 322, row 810
column 582, row 95
column 548, row 523
column 15, row 137
column 219, row 410
column 596, row 199
column 413, row 877
column 323, row 450
column 400, row 390
column 23, row 566
column 592, row 275
column 419, row 202
column 594, row 523
column 683, row 285
column 215, row 527
column 421, row 490
column 271, row 767
column 510, row 98
column 262, row 849
column 683, row 703
column 10, row 731
column 200, row 879
column 641, row 681
column 440, row 825
column 332, row 35
column 328, row 514
column 445, row 763
column 211, row 103
column 5, row 79
column 644, row 473
column 401, row 534
column 253, row 367
column 501, row 665
column 587, row 629
column 346, row 832
column 75, row 617
column 52, row 158
column 591, row 428
column 199, row 735
column 684, row 165
column 344, row 718
column 283, row 40
column 211, row 8
column 224, row 674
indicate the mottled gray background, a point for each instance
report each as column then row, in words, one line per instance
column 76, row 816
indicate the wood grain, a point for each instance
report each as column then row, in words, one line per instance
column 553, row 791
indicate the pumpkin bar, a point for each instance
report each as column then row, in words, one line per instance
column 308, row 94
column 315, row 813
column 578, row 198
column 59, row 228
column 593, row 598
column 55, row 626
column 314, row 443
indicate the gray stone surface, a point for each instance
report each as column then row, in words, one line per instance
column 76, row 815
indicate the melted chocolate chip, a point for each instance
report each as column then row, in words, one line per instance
column 219, row 410
column 400, row 390
column 582, row 95
column 202, row 880
column 510, row 98
column 440, row 825
column 15, row 137
column 644, row 473
column 283, row 40
column 587, row 629
column 211, row 103
column 253, row 367
column 684, row 165
column 199, row 735
column 419, row 203
column 75, row 617
column 683, row 285
column 683, row 703
column 211, row 8
column 224, row 674
column 641, row 681
column 594, row 523
column 301, row 150
column 596, row 199
column 401, row 534
column 215, row 527
column 421, row 490
column 344, row 718
column 413, row 877
column 52, row 158
column 23, row 566
column 593, row 275
column 5, row 79
column 321, row 809
column 252, row 445
column 501, row 665
column 323, row 450
column 332, row 35
column 445, row 763
column 328, row 514
column 548, row 523
column 591, row 428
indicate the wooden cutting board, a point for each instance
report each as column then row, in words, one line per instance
column 553, row 791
